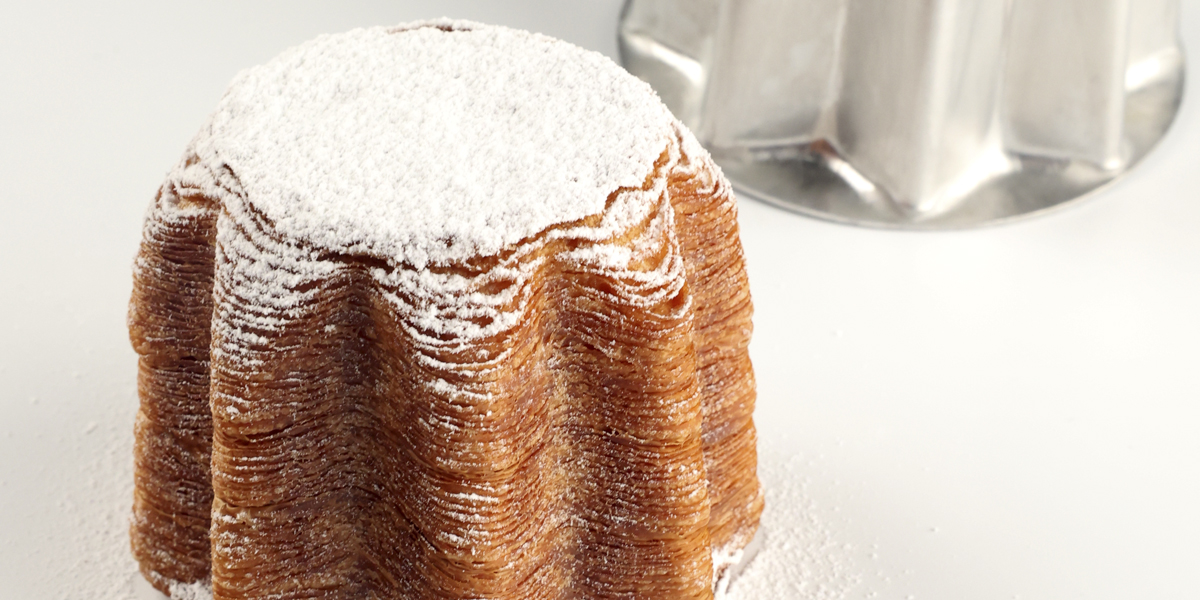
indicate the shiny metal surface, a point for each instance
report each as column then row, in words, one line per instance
column 937, row 114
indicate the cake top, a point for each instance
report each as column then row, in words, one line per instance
column 435, row 141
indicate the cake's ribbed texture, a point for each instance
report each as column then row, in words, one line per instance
column 568, row 416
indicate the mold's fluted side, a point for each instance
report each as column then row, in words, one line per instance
column 566, row 419
column 169, row 317
column 706, row 222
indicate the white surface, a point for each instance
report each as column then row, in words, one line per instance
column 994, row 414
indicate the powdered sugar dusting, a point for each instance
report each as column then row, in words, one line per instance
column 434, row 141
column 430, row 144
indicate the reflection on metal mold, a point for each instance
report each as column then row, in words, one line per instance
column 926, row 115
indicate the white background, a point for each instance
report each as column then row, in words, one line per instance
column 1002, row 413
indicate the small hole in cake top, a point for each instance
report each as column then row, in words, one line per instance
column 433, row 142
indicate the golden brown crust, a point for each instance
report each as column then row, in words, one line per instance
column 169, row 327
column 600, row 448
column 706, row 223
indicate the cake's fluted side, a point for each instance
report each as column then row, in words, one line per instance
column 292, row 435
column 706, row 221
column 169, row 317
column 629, row 369
column 569, row 418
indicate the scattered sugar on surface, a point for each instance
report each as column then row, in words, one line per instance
column 199, row 590
column 434, row 141
column 96, row 501
column 800, row 558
